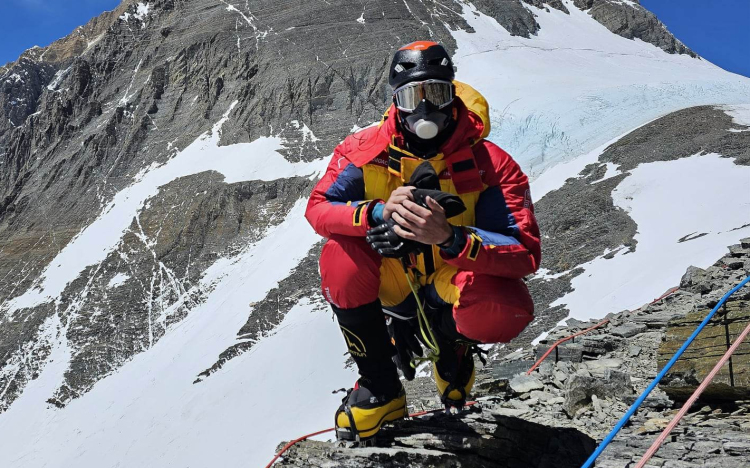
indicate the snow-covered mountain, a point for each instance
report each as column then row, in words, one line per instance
column 159, row 288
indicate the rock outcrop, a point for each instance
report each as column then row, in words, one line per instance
column 470, row 440
column 732, row 383
column 630, row 20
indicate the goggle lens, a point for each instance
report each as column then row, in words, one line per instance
column 439, row 93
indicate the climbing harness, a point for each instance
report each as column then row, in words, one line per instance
column 429, row 339
column 607, row 440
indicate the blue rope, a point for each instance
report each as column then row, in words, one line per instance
column 590, row 462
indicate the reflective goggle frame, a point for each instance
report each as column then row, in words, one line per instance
column 438, row 92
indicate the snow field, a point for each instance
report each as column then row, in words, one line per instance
column 118, row 280
column 670, row 201
column 740, row 116
column 149, row 412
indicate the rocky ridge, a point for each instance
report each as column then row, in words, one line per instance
column 630, row 20
column 23, row 81
column 585, row 388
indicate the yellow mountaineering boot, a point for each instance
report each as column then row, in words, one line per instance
column 454, row 375
column 362, row 414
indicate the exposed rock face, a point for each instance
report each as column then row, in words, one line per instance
column 684, row 133
column 582, row 214
column 23, row 81
column 630, row 20
column 514, row 16
column 733, row 381
column 473, row 440
column 21, row 87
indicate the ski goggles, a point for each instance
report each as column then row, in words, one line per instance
column 438, row 92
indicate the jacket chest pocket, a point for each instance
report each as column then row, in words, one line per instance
column 379, row 183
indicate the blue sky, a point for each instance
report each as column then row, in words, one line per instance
column 717, row 29
column 26, row 23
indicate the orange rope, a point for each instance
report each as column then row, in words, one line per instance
column 549, row 351
column 696, row 394
column 559, row 342
column 305, row 437
column 291, row 444
column 666, row 294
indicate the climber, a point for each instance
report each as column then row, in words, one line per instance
column 463, row 233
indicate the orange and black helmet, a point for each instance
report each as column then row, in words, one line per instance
column 421, row 60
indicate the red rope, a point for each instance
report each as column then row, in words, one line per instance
column 305, row 437
column 291, row 444
column 696, row 394
column 559, row 342
column 666, row 294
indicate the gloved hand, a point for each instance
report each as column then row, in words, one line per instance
column 384, row 240
column 403, row 334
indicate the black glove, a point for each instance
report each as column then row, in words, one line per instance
column 452, row 204
column 384, row 240
column 427, row 184
column 404, row 336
